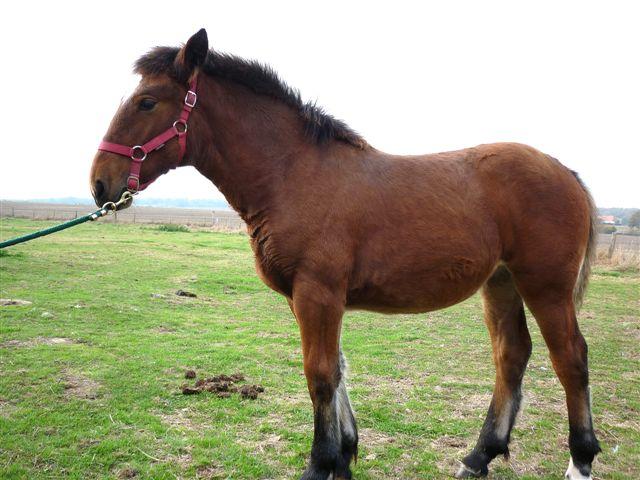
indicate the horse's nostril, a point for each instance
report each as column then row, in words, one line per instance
column 98, row 189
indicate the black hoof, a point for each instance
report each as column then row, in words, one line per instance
column 313, row 474
column 343, row 473
column 466, row 472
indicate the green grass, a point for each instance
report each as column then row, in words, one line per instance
column 104, row 400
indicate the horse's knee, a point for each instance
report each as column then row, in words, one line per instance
column 323, row 377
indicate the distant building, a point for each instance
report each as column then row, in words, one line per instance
column 609, row 220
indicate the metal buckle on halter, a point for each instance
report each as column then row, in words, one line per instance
column 188, row 98
column 184, row 126
column 137, row 180
column 133, row 154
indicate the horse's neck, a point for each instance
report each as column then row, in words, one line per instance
column 245, row 143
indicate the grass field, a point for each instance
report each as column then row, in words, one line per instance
column 91, row 370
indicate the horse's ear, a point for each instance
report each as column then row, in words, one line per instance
column 192, row 55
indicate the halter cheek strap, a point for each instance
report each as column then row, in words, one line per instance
column 138, row 153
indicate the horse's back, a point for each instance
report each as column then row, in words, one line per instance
column 437, row 225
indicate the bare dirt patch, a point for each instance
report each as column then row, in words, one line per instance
column 13, row 302
column 448, row 442
column 207, row 472
column 374, row 438
column 128, row 472
column 79, row 386
column 38, row 341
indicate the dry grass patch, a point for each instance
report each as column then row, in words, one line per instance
column 6, row 408
column 621, row 260
column 180, row 420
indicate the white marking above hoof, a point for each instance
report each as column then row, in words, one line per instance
column 573, row 473
column 466, row 472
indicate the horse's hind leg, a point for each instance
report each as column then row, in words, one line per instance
column 554, row 311
column 504, row 316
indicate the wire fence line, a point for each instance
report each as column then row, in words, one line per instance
column 142, row 215
column 615, row 242
column 222, row 219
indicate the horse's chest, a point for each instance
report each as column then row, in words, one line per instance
column 272, row 267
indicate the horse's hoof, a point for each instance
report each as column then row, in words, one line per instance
column 466, row 472
column 313, row 474
column 574, row 474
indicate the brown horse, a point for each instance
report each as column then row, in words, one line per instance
column 336, row 224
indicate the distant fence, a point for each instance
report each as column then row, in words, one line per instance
column 618, row 243
column 226, row 220
column 144, row 215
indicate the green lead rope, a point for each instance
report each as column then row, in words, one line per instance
column 101, row 212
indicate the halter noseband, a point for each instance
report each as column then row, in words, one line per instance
column 138, row 153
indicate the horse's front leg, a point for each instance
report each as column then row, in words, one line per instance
column 318, row 310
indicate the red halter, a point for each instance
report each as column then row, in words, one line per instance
column 138, row 153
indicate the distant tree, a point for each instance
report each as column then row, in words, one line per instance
column 606, row 229
column 634, row 220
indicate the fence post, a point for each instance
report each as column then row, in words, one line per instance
column 612, row 244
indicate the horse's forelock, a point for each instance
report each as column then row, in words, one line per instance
column 159, row 60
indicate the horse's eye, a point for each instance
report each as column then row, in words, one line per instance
column 147, row 104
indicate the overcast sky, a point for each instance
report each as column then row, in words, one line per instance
column 563, row 77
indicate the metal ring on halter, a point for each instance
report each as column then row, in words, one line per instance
column 133, row 154
column 180, row 122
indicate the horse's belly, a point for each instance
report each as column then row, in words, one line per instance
column 422, row 288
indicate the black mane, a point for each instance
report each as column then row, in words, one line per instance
column 261, row 79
